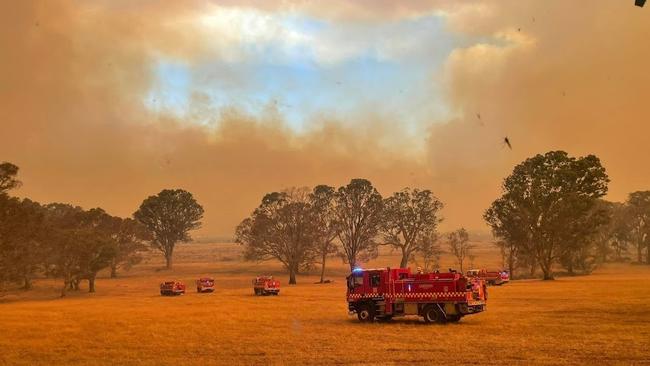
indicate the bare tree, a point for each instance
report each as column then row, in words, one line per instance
column 282, row 228
column 459, row 246
column 169, row 216
column 409, row 216
column 326, row 228
column 359, row 217
column 429, row 250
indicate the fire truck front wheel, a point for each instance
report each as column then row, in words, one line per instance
column 366, row 313
column 433, row 315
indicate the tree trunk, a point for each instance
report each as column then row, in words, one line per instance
column 639, row 252
column 322, row 271
column 292, row 275
column 91, row 283
column 533, row 269
column 27, row 283
column 570, row 267
column 66, row 284
column 353, row 265
column 405, row 259
column 546, row 269
column 114, row 270
column 168, row 259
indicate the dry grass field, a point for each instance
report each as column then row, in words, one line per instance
column 603, row 318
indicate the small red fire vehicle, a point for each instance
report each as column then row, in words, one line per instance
column 172, row 288
column 437, row 297
column 505, row 276
column 490, row 277
column 266, row 285
column 205, row 284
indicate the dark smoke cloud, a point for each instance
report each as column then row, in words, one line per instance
column 73, row 77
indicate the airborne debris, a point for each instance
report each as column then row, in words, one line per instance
column 506, row 141
column 639, row 3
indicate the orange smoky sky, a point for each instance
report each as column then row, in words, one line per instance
column 106, row 102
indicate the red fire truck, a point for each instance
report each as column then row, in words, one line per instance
column 266, row 285
column 491, row 277
column 438, row 297
column 205, row 284
column 172, row 288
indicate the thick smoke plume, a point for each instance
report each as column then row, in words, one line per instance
column 550, row 75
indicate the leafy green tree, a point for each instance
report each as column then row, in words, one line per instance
column 580, row 238
column 508, row 225
column 21, row 240
column 95, row 248
column 129, row 239
column 169, row 216
column 358, row 211
column 639, row 214
column 66, row 235
column 551, row 195
column 409, row 216
column 283, row 227
column 8, row 181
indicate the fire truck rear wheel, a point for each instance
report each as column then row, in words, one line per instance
column 433, row 315
column 365, row 313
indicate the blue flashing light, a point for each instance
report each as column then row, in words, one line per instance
column 357, row 270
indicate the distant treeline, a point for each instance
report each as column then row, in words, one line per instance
column 64, row 241
column 550, row 214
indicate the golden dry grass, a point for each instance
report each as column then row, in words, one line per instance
column 603, row 318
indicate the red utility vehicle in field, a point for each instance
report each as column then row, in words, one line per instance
column 172, row 288
column 491, row 277
column 266, row 285
column 438, row 297
column 205, row 284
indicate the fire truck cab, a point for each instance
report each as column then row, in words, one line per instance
column 437, row 297
column 266, row 285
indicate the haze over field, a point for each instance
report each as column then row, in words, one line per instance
column 106, row 102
